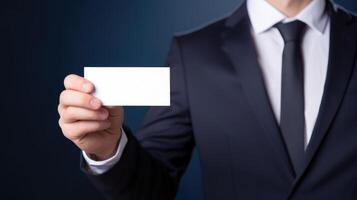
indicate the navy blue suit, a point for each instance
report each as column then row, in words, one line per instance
column 220, row 106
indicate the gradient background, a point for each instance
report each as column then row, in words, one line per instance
column 41, row 42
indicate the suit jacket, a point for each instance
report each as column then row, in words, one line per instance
column 219, row 105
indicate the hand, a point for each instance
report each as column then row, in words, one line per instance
column 94, row 128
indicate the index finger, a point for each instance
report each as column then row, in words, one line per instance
column 78, row 83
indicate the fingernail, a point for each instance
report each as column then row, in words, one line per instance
column 104, row 114
column 87, row 87
column 95, row 103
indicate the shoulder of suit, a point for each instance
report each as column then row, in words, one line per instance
column 215, row 26
column 208, row 29
column 348, row 14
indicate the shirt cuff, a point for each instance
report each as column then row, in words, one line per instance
column 100, row 167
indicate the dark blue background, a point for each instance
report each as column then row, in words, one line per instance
column 41, row 42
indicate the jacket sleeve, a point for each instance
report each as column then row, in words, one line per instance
column 155, row 158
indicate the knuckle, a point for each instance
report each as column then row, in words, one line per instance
column 70, row 132
column 84, row 100
column 62, row 96
column 65, row 131
column 81, row 129
column 68, row 79
column 68, row 113
column 59, row 109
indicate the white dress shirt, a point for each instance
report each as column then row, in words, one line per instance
column 269, row 44
column 315, row 50
column 99, row 167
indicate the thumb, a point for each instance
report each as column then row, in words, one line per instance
column 116, row 117
column 115, row 111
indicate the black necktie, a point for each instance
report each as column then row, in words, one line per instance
column 292, row 120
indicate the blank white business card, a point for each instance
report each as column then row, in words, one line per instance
column 130, row 86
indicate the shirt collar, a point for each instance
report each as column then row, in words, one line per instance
column 264, row 16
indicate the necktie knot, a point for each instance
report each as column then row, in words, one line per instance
column 291, row 31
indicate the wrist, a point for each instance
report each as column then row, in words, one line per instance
column 100, row 157
column 106, row 154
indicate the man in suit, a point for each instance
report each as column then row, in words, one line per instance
column 267, row 95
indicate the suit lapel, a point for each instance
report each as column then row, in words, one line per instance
column 341, row 57
column 239, row 46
